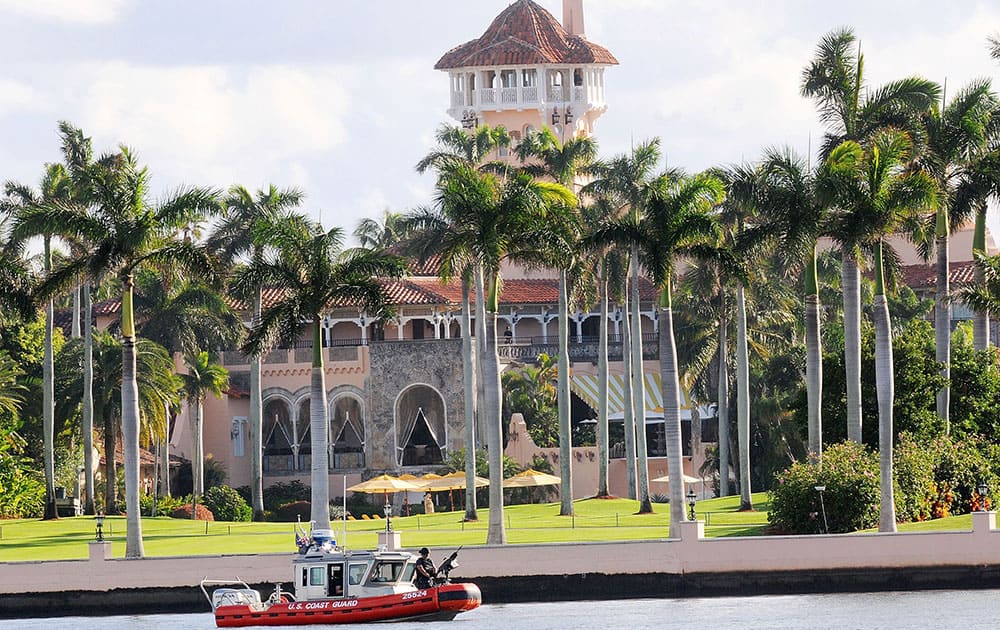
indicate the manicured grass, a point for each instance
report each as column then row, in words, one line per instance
column 595, row 520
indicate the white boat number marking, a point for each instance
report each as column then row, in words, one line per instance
column 415, row 595
column 351, row 603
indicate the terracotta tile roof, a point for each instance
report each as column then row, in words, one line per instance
column 925, row 276
column 525, row 34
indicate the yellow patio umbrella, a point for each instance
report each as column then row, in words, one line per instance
column 452, row 481
column 406, row 496
column 384, row 484
column 686, row 478
column 530, row 479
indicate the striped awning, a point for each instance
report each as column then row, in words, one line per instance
column 586, row 387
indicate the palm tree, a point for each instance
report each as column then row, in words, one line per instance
column 543, row 155
column 314, row 274
column 881, row 195
column 235, row 238
column 957, row 137
column 674, row 222
column 795, row 216
column 380, row 235
column 127, row 233
column 457, row 147
column 631, row 180
column 11, row 391
column 835, row 80
column 158, row 389
column 494, row 221
column 21, row 199
column 984, row 294
column 205, row 376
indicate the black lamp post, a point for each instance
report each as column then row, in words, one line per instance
column 691, row 497
column 822, row 506
column 983, row 491
column 99, row 519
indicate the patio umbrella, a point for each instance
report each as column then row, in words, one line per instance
column 531, row 478
column 384, row 484
column 686, row 478
column 406, row 495
column 452, row 481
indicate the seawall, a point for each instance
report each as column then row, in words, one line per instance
column 680, row 567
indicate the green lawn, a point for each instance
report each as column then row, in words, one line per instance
column 595, row 520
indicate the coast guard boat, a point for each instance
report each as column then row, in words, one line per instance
column 334, row 585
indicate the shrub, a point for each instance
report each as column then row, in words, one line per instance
column 227, row 504
column 285, row 492
column 184, row 511
column 960, row 466
column 918, row 495
column 215, row 475
column 164, row 504
column 293, row 511
column 851, row 476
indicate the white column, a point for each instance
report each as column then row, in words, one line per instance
column 399, row 328
column 545, row 325
column 364, row 329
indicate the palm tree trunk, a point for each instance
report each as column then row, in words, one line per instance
column 671, row 412
column 639, row 391
column 884, row 388
column 75, row 326
column 110, row 465
column 851, row 282
column 723, row 399
column 491, row 416
column 743, row 398
column 628, row 415
column 482, row 356
column 814, row 362
column 198, row 458
column 602, row 383
column 319, row 429
column 171, row 418
column 48, row 402
column 562, row 404
column 87, row 406
column 256, row 425
column 981, row 322
column 130, row 425
column 469, row 390
column 942, row 318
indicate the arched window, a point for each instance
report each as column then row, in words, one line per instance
column 278, row 437
column 347, row 429
column 420, row 427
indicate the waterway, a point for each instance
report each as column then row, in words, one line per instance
column 876, row 611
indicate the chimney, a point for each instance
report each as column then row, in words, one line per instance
column 573, row 17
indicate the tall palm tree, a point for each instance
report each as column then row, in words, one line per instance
column 543, row 155
column 958, row 135
column 882, row 195
column 796, row 217
column 675, row 222
column 835, row 80
column 21, row 200
column 127, row 233
column 158, row 389
column 493, row 221
column 458, row 147
column 631, row 180
column 383, row 234
column 984, row 295
column 205, row 376
column 234, row 239
column 314, row 274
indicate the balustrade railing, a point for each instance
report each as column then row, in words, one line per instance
column 556, row 94
column 579, row 94
column 530, row 94
column 487, row 96
column 508, row 96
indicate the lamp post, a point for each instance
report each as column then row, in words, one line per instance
column 99, row 520
column 470, row 120
column 691, row 497
column 822, row 506
column 983, row 490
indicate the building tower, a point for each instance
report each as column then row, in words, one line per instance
column 528, row 70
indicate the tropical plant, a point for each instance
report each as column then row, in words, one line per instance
column 237, row 237
column 374, row 234
column 461, row 148
column 314, row 274
column 531, row 390
column 226, row 504
column 984, row 295
column 880, row 196
column 204, row 376
column 835, row 80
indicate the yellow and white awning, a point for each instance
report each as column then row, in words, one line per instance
column 587, row 388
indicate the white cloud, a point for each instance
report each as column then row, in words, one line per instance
column 214, row 123
column 72, row 11
column 15, row 96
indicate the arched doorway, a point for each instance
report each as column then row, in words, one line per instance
column 420, row 427
column 347, row 427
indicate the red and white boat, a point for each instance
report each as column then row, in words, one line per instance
column 334, row 585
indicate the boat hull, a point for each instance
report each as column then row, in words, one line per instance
column 438, row 603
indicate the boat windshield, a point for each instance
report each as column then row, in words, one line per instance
column 387, row 571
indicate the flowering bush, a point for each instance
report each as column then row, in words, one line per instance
column 184, row 511
column 850, row 498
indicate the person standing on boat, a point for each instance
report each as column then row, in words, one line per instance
column 425, row 569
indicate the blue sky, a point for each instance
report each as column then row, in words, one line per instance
column 340, row 97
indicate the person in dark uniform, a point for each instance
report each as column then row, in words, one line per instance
column 425, row 569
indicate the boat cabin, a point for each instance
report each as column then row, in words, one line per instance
column 331, row 573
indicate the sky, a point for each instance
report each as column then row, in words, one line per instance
column 340, row 98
